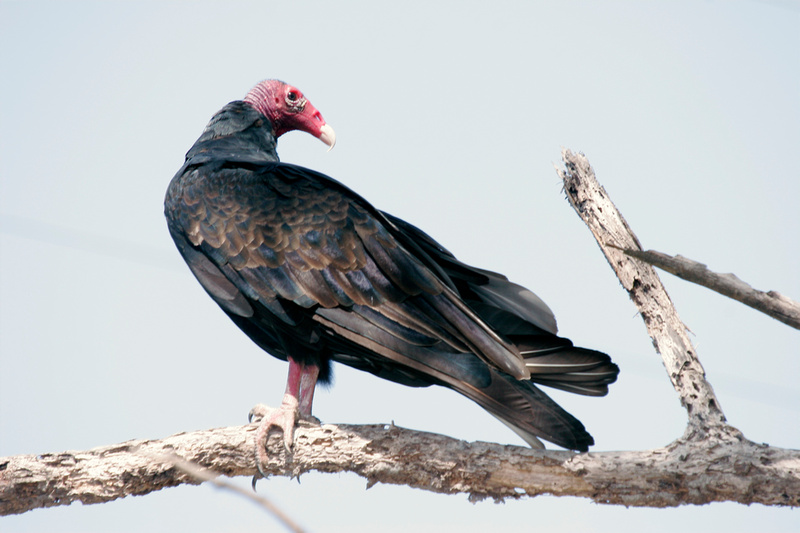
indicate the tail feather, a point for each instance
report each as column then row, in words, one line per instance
column 530, row 413
column 566, row 367
column 584, row 388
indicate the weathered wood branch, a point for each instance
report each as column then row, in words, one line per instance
column 723, row 466
column 771, row 303
column 644, row 287
column 712, row 461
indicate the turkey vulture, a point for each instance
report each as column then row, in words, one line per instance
column 313, row 273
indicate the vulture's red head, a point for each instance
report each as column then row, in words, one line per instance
column 287, row 109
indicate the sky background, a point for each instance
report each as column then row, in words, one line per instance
column 448, row 114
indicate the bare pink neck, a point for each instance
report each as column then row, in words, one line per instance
column 260, row 97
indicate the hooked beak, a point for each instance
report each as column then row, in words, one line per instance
column 328, row 136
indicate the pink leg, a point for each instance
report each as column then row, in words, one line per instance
column 297, row 401
column 308, row 383
column 293, row 380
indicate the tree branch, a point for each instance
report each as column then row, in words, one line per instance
column 644, row 287
column 712, row 461
column 771, row 303
column 722, row 467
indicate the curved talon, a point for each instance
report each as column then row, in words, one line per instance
column 258, row 412
column 284, row 417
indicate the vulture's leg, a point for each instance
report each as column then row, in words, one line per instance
column 296, row 403
column 308, row 383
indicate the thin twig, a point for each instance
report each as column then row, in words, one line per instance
column 771, row 303
column 206, row 475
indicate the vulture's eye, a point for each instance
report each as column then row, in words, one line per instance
column 295, row 100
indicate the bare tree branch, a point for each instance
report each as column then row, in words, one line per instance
column 771, row 303
column 664, row 326
column 722, row 467
column 712, row 461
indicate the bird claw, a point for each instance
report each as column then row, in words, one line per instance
column 258, row 412
column 296, row 405
column 284, row 417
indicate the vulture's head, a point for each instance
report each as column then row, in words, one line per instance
column 287, row 109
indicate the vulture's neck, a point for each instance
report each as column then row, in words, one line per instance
column 236, row 133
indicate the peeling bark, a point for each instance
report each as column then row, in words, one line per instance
column 722, row 466
column 644, row 287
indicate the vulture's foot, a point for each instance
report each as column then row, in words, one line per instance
column 286, row 418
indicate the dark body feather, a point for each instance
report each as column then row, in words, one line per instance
column 310, row 270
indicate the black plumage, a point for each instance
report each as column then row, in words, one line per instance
column 310, row 271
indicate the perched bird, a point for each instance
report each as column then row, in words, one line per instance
column 313, row 273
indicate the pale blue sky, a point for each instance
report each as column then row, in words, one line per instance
column 450, row 115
